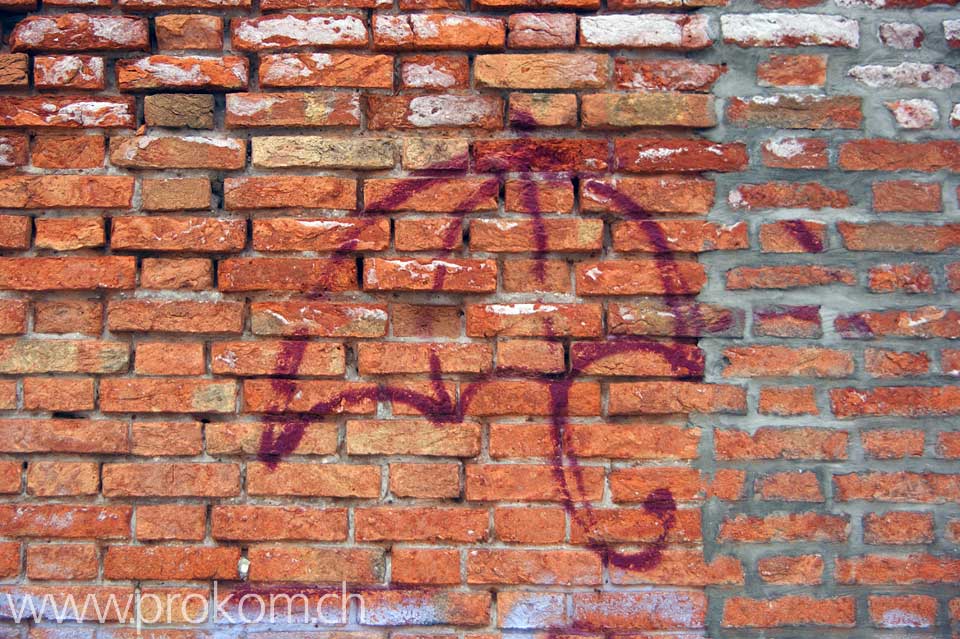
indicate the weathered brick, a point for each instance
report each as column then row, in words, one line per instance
column 614, row 110
column 437, row 31
column 189, row 32
column 182, row 72
column 315, row 70
column 80, row 32
column 191, row 110
column 789, row 30
column 434, row 111
column 541, row 71
column 83, row 72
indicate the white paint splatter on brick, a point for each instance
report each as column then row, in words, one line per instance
column 247, row 105
column 519, row 309
column 896, row 618
column 901, row 35
column 89, row 113
column 652, row 30
column 304, row 30
column 786, row 148
column 784, row 29
column 915, row 114
column 71, row 68
column 906, row 75
column 426, row 75
column 447, row 110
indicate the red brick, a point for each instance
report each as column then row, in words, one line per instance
column 900, row 401
column 791, row 570
column 787, row 195
column 173, row 72
column 787, row 321
column 58, row 479
column 800, row 526
column 15, row 232
column 786, row 277
column 176, row 273
column 315, row 397
column 80, row 32
column 68, row 234
column 81, row 72
column 530, row 525
column 652, row 398
column 431, row 195
column 903, row 486
column 66, row 521
column 58, row 394
column 789, row 400
column 910, row 611
column 650, row 610
column 289, row 192
column 314, row 480
column 791, row 610
column 164, row 395
column 286, row 274
column 640, row 277
column 515, row 482
column 312, row 70
column 557, row 567
column 434, row 112
column 793, row 71
column 175, row 316
column 19, row 356
column 185, row 32
column 796, row 112
column 542, row 30
column 435, row 72
column 923, row 322
column 795, row 153
column 644, row 155
column 618, row 110
column 311, row 564
column 886, row 569
column 789, row 486
column 437, row 31
column 428, row 481
column 532, row 110
column 781, row 361
column 898, row 527
column 52, row 561
column 530, row 356
column 181, row 522
column 540, row 155
column 318, row 319
column 425, row 566
column 893, row 155
column 906, row 278
column 170, row 563
column 793, row 236
column 641, row 196
column 235, row 438
column 67, row 191
column 903, row 196
column 64, row 436
column 665, row 74
column 425, row 274
column 541, row 71
column 171, row 480
column 789, row 30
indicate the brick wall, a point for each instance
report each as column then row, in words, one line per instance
column 543, row 317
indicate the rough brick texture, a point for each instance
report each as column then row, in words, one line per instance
column 511, row 318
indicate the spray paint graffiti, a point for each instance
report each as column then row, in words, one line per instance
column 284, row 431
